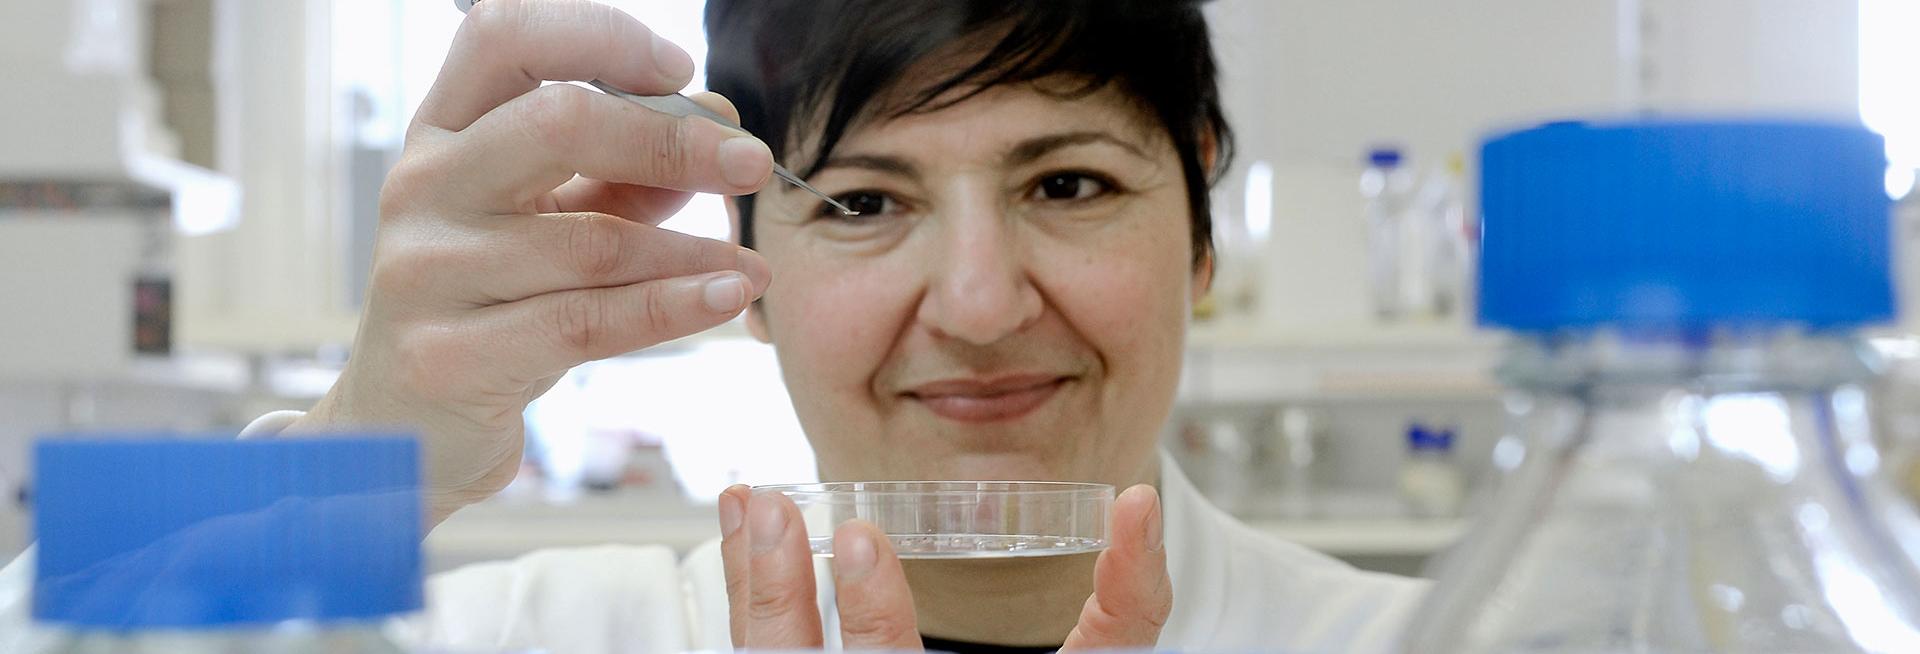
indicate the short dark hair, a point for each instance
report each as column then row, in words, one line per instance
column 784, row 62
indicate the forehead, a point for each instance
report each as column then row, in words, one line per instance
column 985, row 122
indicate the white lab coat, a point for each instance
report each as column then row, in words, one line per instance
column 1234, row 589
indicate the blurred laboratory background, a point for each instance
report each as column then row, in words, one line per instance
column 188, row 195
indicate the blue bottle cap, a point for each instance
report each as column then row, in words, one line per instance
column 1384, row 157
column 182, row 534
column 1422, row 439
column 1684, row 225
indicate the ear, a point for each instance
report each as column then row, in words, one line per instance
column 756, row 317
column 1203, row 276
column 757, row 323
column 1209, row 149
column 1203, row 269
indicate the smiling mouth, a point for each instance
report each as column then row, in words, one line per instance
column 987, row 401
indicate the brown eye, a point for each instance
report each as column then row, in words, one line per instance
column 868, row 203
column 1069, row 186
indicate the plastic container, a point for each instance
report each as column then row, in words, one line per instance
column 1698, row 471
column 1431, row 483
column 1444, row 252
column 960, row 519
column 1299, row 434
column 222, row 546
column 1387, row 185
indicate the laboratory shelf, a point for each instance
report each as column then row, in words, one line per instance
column 1417, row 336
column 1233, row 364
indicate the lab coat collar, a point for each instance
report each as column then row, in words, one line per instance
column 1196, row 555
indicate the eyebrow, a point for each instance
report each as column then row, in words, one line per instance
column 1031, row 149
column 1021, row 153
column 877, row 163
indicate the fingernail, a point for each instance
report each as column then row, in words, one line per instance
column 673, row 62
column 769, row 525
column 725, row 293
column 730, row 515
column 1156, row 534
column 744, row 161
column 755, row 267
column 853, row 557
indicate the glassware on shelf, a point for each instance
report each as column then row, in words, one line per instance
column 1431, row 482
column 1298, row 436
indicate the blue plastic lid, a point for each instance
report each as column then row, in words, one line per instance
column 1684, row 225
column 1384, row 157
column 168, row 533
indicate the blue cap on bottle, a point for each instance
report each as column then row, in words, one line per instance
column 1684, row 225
column 1384, row 157
column 1422, row 439
column 141, row 533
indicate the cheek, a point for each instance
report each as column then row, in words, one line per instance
column 833, row 325
column 1128, row 295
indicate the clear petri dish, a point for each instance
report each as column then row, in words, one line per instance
column 959, row 519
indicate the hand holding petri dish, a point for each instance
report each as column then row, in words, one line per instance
column 959, row 519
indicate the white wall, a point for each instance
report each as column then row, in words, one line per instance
column 1320, row 81
column 1312, row 85
column 1795, row 57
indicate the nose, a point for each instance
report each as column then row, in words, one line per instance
column 980, row 290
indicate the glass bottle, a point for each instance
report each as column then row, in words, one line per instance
column 1698, row 472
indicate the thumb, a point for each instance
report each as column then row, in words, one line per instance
column 1132, row 594
column 876, row 606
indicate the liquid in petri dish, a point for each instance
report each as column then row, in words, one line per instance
column 972, row 546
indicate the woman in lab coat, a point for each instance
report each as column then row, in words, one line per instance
column 1011, row 303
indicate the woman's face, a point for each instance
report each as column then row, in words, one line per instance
column 1010, row 304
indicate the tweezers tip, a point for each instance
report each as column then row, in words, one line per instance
column 844, row 209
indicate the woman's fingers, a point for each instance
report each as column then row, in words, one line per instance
column 544, row 335
column 520, row 257
column 476, row 305
column 870, row 588
column 1132, row 594
column 521, row 151
column 769, row 573
column 718, row 104
column 638, row 203
column 491, row 139
column 781, row 609
column 733, row 554
column 505, row 48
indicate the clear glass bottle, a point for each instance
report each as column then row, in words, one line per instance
column 1698, row 471
column 1298, row 436
column 1431, row 483
column 1448, row 252
column 1387, row 186
column 203, row 546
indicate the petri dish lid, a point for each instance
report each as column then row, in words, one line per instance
column 959, row 519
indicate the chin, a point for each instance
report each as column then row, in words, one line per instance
column 998, row 466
